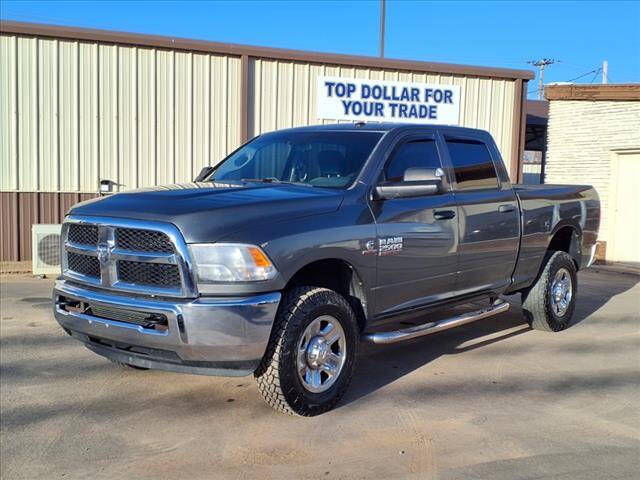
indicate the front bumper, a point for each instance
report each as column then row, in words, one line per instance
column 210, row 336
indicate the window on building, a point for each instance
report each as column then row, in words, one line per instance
column 472, row 164
column 416, row 153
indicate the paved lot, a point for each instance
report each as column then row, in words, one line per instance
column 492, row 400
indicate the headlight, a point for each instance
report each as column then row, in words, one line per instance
column 230, row 262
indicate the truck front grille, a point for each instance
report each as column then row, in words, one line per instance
column 143, row 273
column 83, row 234
column 152, row 320
column 143, row 240
column 84, row 264
column 147, row 320
column 127, row 255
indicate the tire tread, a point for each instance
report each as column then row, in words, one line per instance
column 536, row 300
column 294, row 306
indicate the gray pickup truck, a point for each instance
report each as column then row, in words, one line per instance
column 303, row 242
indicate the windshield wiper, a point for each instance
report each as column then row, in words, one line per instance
column 262, row 180
column 274, row 180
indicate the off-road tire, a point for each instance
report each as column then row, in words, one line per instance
column 127, row 366
column 277, row 377
column 536, row 301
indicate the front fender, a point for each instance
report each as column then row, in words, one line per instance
column 293, row 244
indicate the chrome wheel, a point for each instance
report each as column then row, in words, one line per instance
column 321, row 354
column 561, row 292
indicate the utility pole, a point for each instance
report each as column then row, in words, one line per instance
column 605, row 71
column 541, row 64
column 382, row 19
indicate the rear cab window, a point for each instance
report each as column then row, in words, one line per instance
column 472, row 164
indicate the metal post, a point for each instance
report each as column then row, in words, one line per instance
column 541, row 64
column 605, row 71
column 382, row 21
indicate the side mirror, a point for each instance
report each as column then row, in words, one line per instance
column 204, row 173
column 417, row 182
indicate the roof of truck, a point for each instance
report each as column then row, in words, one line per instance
column 372, row 127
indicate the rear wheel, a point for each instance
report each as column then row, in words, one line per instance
column 311, row 354
column 550, row 302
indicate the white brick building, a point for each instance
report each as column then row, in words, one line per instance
column 593, row 138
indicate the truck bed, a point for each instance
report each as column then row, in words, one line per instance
column 546, row 209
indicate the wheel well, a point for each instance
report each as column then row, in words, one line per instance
column 567, row 240
column 336, row 275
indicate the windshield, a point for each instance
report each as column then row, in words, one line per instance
column 321, row 158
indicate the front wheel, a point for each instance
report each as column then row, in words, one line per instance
column 549, row 303
column 311, row 354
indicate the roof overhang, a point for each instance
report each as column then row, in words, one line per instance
column 537, row 112
column 156, row 41
column 608, row 91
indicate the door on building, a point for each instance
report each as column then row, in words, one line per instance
column 623, row 244
column 417, row 236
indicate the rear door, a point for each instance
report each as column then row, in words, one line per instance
column 417, row 236
column 488, row 214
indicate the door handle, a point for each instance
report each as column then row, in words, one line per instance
column 444, row 214
column 506, row 208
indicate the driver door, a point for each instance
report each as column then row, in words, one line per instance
column 416, row 236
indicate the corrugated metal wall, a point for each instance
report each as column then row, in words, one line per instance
column 75, row 112
column 21, row 210
column 283, row 94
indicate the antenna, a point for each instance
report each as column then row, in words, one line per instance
column 541, row 64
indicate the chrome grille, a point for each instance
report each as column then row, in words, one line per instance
column 146, row 319
column 127, row 255
column 142, row 273
column 84, row 264
column 83, row 234
column 142, row 240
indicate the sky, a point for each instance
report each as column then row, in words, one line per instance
column 500, row 34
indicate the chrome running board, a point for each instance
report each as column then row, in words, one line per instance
column 428, row 328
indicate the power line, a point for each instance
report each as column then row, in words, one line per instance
column 595, row 71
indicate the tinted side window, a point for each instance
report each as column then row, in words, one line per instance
column 417, row 153
column 472, row 164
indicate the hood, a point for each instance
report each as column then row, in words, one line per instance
column 207, row 212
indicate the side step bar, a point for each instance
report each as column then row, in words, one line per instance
column 394, row 336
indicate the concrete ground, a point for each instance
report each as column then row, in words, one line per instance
column 491, row 400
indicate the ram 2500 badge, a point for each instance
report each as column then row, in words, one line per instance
column 304, row 242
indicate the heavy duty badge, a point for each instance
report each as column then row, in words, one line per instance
column 370, row 247
column 386, row 246
column 390, row 245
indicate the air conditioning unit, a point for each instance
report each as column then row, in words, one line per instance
column 45, row 241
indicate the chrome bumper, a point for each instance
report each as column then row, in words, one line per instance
column 211, row 336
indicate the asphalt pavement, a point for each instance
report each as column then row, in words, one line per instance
column 490, row 400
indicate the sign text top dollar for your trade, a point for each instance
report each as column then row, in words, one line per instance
column 379, row 100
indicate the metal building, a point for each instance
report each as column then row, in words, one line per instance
column 78, row 106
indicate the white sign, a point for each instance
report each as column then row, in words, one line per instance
column 386, row 101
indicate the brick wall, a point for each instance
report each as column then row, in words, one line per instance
column 580, row 137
